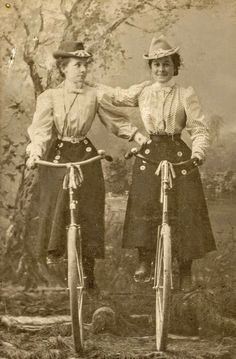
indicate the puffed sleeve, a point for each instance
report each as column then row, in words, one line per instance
column 40, row 131
column 122, row 97
column 196, row 124
column 115, row 120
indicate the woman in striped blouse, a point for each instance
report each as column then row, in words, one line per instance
column 166, row 109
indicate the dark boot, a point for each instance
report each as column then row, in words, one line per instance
column 143, row 271
column 185, row 275
column 54, row 258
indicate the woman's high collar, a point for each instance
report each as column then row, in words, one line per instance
column 73, row 87
column 158, row 85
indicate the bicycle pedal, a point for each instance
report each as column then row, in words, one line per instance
column 145, row 280
column 81, row 288
column 78, row 288
column 157, row 287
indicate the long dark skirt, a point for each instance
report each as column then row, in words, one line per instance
column 188, row 214
column 54, row 203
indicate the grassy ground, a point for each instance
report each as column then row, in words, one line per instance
column 214, row 304
column 25, row 346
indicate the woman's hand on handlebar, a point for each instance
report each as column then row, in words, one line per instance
column 140, row 139
column 197, row 161
column 32, row 161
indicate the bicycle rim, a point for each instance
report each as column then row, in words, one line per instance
column 162, row 286
column 75, row 285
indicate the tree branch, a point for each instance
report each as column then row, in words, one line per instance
column 42, row 19
column 155, row 6
column 118, row 22
column 66, row 13
column 8, row 40
column 27, row 31
column 88, row 6
column 29, row 53
column 121, row 20
column 138, row 27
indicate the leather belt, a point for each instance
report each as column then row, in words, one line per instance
column 72, row 139
column 165, row 137
column 164, row 134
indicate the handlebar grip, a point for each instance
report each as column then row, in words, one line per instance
column 186, row 167
column 128, row 155
column 131, row 153
column 103, row 155
column 20, row 166
column 109, row 158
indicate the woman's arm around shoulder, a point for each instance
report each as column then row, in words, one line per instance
column 118, row 96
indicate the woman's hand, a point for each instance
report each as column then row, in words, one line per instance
column 197, row 161
column 31, row 162
column 140, row 138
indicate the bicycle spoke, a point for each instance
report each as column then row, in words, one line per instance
column 75, row 283
column 157, row 264
column 80, row 302
column 160, row 298
column 160, row 264
column 163, row 285
column 157, row 251
column 80, row 274
column 79, row 266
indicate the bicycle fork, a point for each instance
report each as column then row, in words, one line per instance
column 73, row 181
column 167, row 173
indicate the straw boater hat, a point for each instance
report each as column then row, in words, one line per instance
column 73, row 49
column 160, row 48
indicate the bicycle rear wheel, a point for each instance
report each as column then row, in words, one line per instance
column 75, row 284
column 162, row 285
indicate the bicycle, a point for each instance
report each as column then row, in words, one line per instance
column 72, row 180
column 162, row 276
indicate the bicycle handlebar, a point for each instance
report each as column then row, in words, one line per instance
column 188, row 163
column 101, row 155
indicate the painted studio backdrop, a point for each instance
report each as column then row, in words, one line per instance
column 118, row 32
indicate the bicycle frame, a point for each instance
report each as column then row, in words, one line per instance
column 73, row 229
column 72, row 180
column 167, row 173
column 163, row 282
column 166, row 184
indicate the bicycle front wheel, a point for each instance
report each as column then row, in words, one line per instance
column 162, row 285
column 75, row 284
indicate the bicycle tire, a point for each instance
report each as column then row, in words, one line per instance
column 163, row 286
column 75, row 285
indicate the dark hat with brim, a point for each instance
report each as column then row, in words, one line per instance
column 72, row 49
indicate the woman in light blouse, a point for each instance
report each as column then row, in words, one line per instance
column 58, row 133
column 166, row 109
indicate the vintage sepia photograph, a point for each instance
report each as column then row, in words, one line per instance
column 118, row 179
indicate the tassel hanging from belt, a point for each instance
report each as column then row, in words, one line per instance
column 73, row 178
column 167, row 175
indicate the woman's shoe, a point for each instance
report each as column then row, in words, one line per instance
column 53, row 259
column 143, row 272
